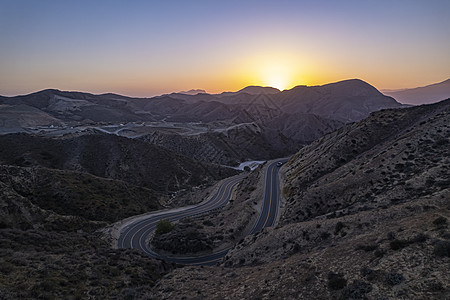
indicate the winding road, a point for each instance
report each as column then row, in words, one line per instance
column 135, row 235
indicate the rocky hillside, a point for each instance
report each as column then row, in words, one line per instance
column 391, row 157
column 228, row 146
column 46, row 255
column 72, row 193
column 56, row 194
column 110, row 156
column 366, row 216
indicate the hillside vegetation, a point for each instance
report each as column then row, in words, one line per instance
column 366, row 216
column 46, row 255
column 391, row 157
column 58, row 193
column 110, row 156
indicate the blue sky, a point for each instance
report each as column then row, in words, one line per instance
column 143, row 48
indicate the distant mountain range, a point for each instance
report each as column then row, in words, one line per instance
column 269, row 122
column 193, row 92
column 346, row 101
column 421, row 95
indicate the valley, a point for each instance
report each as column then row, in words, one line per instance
column 358, row 209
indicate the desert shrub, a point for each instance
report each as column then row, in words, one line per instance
column 324, row 235
column 393, row 278
column 367, row 248
column 6, row 268
column 435, row 286
column 398, row 244
column 441, row 142
column 390, row 235
column 420, row 238
column 442, row 248
column 3, row 225
column 129, row 294
column 357, row 290
column 370, row 274
column 336, row 281
column 296, row 248
column 379, row 252
column 338, row 227
column 365, row 271
column 440, row 221
column 164, row 226
column 208, row 223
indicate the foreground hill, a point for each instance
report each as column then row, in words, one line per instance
column 110, row 156
column 392, row 156
column 58, row 193
column 422, row 95
column 366, row 216
column 46, row 255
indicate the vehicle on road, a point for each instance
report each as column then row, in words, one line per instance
column 279, row 164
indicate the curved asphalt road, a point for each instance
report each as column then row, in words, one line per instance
column 136, row 234
column 269, row 211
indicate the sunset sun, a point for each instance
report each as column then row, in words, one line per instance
column 277, row 75
column 277, row 81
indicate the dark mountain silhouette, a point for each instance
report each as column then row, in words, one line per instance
column 346, row 101
column 284, row 118
column 193, row 92
column 256, row 90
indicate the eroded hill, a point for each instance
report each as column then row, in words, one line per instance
column 110, row 156
column 366, row 216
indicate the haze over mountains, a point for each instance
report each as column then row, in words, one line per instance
column 422, row 95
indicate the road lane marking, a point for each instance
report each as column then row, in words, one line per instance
column 270, row 197
column 141, row 222
column 204, row 207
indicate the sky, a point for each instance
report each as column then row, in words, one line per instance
column 147, row 48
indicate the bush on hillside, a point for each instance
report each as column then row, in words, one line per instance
column 164, row 226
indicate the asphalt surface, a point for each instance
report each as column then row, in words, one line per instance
column 269, row 212
column 136, row 234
